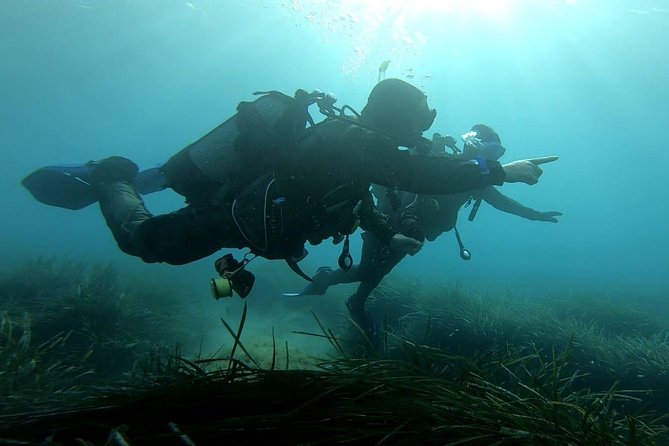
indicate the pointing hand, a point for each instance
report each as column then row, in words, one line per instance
column 526, row 171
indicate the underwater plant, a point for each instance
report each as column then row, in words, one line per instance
column 452, row 368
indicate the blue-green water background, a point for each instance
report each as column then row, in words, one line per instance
column 586, row 80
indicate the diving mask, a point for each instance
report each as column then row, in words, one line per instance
column 474, row 146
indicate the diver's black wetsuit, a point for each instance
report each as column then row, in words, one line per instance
column 315, row 190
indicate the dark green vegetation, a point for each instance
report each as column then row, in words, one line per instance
column 89, row 357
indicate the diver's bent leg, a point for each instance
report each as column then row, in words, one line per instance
column 370, row 272
column 177, row 238
column 371, row 263
column 123, row 210
column 384, row 261
column 187, row 235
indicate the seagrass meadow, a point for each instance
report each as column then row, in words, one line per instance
column 89, row 356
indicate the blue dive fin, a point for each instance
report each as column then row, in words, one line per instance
column 69, row 185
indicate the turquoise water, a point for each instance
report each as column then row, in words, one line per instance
column 585, row 80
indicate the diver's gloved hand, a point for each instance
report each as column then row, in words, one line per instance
column 405, row 244
column 526, row 171
column 548, row 216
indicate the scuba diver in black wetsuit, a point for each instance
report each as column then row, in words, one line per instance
column 272, row 188
column 421, row 217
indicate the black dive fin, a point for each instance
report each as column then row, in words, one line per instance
column 69, row 186
column 297, row 270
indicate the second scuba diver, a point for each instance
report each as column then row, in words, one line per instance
column 421, row 217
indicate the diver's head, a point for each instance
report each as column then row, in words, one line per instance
column 483, row 141
column 400, row 110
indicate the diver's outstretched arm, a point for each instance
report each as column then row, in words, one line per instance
column 506, row 204
column 381, row 162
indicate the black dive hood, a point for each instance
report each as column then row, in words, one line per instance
column 399, row 110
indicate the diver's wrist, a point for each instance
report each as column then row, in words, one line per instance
column 483, row 165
